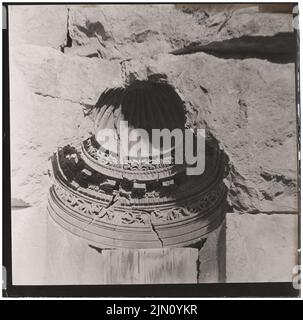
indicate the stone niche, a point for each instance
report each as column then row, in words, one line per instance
column 148, row 201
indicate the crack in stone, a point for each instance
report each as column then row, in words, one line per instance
column 198, row 264
column 68, row 42
column 225, row 22
column 99, row 40
column 199, row 246
column 155, row 232
column 47, row 95
column 100, row 250
column 153, row 228
column 272, row 212
column 114, row 199
column 17, row 203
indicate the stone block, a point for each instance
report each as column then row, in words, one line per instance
column 261, row 247
column 212, row 257
column 38, row 24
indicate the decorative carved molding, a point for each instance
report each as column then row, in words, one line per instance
column 109, row 159
column 136, row 216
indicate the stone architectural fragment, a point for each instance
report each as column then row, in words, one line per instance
column 147, row 201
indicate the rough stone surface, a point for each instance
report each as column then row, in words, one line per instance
column 249, row 106
column 261, row 248
column 48, row 94
column 39, row 125
column 39, row 25
column 154, row 29
column 48, row 72
column 62, row 58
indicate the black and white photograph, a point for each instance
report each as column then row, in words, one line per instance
column 152, row 144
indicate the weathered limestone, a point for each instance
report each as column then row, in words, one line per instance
column 47, row 100
column 48, row 72
column 92, row 31
column 38, row 25
column 155, row 29
column 261, row 247
column 35, row 137
column 248, row 105
column 259, row 137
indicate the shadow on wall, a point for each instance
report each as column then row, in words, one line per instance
column 276, row 7
column 280, row 48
